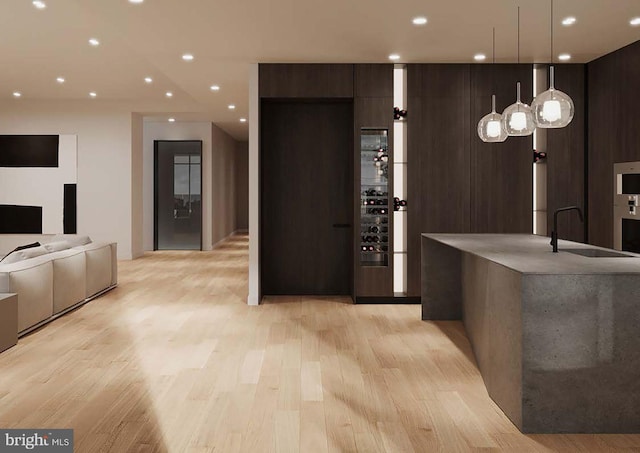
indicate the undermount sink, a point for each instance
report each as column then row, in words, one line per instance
column 597, row 253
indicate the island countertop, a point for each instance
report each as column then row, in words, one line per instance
column 531, row 254
column 555, row 335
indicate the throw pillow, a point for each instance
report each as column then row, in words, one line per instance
column 57, row 246
column 74, row 240
column 17, row 249
column 33, row 252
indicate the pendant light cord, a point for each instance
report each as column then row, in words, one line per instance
column 551, row 31
column 494, row 45
column 493, row 66
column 519, row 34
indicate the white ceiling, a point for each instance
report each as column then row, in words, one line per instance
column 148, row 39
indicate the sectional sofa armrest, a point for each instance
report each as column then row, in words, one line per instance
column 32, row 280
column 102, row 266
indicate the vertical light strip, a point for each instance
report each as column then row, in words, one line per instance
column 535, row 169
column 400, row 182
column 254, row 186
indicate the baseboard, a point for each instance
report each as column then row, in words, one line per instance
column 388, row 300
column 241, row 231
column 219, row 243
column 64, row 312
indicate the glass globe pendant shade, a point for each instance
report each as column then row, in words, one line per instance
column 517, row 119
column 490, row 128
column 552, row 108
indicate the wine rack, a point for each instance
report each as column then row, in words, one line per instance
column 374, row 197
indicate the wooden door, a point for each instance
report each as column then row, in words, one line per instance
column 307, row 197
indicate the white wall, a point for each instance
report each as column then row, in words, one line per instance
column 104, row 162
column 115, row 169
column 223, row 215
column 176, row 131
column 242, row 186
column 136, row 185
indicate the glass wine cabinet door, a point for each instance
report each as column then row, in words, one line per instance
column 374, row 197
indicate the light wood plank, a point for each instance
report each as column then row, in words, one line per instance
column 174, row 360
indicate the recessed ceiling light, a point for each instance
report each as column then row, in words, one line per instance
column 17, row 94
column 568, row 21
column 564, row 57
column 94, row 42
column 420, row 20
column 187, row 57
column 39, row 4
column 136, row 1
column 172, row 120
column 635, row 21
column 479, row 57
column 93, row 94
column 148, row 80
column 168, row 94
column 60, row 80
column 215, row 88
column 232, row 107
column 243, row 120
column 394, row 57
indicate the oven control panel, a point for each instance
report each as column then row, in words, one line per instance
column 632, row 203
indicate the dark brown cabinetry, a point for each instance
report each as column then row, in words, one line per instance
column 614, row 135
column 455, row 183
column 373, row 114
column 565, row 150
column 304, row 154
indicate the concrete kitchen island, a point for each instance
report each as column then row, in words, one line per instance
column 556, row 335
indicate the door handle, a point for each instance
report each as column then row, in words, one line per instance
column 342, row 225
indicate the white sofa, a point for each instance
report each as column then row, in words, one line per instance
column 71, row 272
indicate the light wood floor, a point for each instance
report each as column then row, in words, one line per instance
column 174, row 360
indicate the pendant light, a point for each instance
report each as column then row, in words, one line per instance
column 490, row 128
column 517, row 119
column 552, row 108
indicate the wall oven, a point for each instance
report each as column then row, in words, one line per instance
column 626, row 206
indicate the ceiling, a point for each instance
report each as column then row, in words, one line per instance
column 148, row 39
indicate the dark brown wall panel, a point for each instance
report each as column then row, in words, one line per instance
column 373, row 109
column 437, row 156
column 306, row 81
column 501, row 173
column 374, row 80
column 457, row 183
column 566, row 156
column 614, row 132
column 502, row 187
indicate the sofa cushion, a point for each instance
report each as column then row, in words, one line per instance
column 57, row 246
column 74, row 240
column 99, row 266
column 21, row 247
column 69, row 279
column 32, row 280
